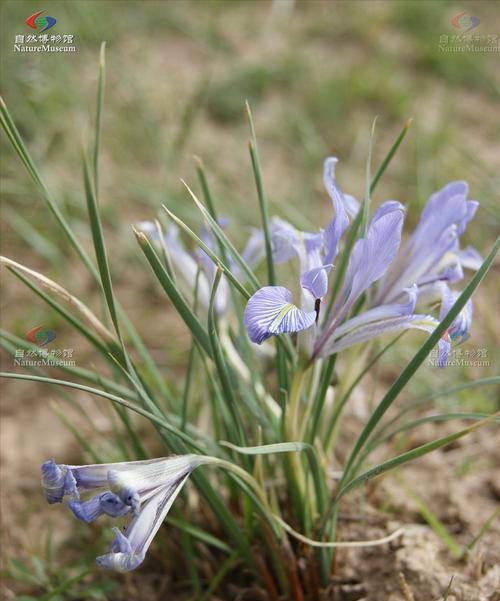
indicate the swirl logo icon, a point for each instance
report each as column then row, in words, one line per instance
column 40, row 336
column 36, row 21
column 465, row 22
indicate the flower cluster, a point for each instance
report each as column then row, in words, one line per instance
column 418, row 271
column 144, row 490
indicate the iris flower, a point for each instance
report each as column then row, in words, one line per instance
column 142, row 490
column 431, row 255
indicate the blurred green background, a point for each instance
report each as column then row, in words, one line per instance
column 316, row 73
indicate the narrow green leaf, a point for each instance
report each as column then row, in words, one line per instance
column 484, row 528
column 442, row 417
column 448, row 589
column 390, row 155
column 66, row 315
column 112, row 397
column 282, row 343
column 223, row 240
column 432, row 519
column 228, row 391
column 98, row 117
column 495, row 380
column 100, row 249
column 198, row 533
column 21, row 150
column 267, row 449
column 229, row 564
column 410, row 456
column 319, row 401
column 264, row 211
column 365, row 207
column 418, row 359
column 217, row 260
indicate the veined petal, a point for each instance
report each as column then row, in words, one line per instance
column 334, row 230
column 57, row 482
column 378, row 328
column 106, row 503
column 129, row 549
column 316, row 280
column 372, row 255
column 380, row 313
column 270, row 311
column 289, row 242
column 127, row 477
column 434, row 243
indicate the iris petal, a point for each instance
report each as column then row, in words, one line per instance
column 316, row 280
column 378, row 328
column 334, row 230
column 271, row 311
column 129, row 548
column 372, row 255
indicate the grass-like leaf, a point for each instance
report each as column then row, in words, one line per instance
column 98, row 116
column 419, row 451
column 225, row 243
column 432, row 519
column 99, row 246
column 417, row 360
column 173, row 293
column 111, row 397
column 217, row 260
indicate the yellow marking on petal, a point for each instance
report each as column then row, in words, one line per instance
column 280, row 317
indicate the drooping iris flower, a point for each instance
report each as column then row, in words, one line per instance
column 144, row 490
column 271, row 309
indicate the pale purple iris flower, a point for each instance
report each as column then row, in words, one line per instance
column 142, row 490
column 432, row 258
column 271, row 310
